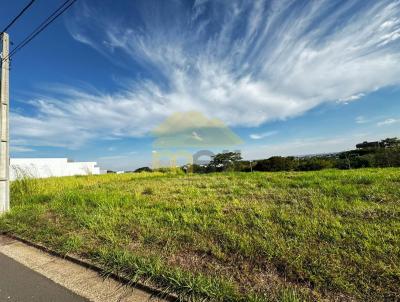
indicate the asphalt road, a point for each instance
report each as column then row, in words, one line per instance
column 20, row 284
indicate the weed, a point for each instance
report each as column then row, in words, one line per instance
column 226, row 237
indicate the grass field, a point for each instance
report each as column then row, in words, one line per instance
column 331, row 235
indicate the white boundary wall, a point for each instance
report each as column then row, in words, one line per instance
column 49, row 167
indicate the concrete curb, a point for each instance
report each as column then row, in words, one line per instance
column 157, row 292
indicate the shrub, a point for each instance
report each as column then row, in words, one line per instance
column 143, row 169
column 314, row 164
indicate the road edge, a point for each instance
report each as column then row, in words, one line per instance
column 157, row 292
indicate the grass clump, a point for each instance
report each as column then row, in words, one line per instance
column 287, row 236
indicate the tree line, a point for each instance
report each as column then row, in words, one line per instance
column 380, row 154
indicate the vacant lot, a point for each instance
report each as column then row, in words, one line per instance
column 331, row 235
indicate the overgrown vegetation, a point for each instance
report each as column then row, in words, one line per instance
column 381, row 154
column 281, row 236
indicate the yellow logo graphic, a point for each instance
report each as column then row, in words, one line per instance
column 193, row 129
column 188, row 130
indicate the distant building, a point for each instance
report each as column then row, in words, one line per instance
column 106, row 171
column 48, row 167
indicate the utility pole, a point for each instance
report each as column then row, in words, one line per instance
column 4, row 126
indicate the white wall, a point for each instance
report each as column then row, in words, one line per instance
column 48, row 167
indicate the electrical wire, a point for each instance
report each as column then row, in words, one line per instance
column 42, row 26
column 17, row 16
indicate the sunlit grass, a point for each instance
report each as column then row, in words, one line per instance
column 227, row 237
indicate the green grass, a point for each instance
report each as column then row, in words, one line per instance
column 331, row 235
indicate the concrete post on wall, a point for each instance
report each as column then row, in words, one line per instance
column 4, row 127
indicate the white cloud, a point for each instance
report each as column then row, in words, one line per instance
column 196, row 136
column 388, row 121
column 352, row 97
column 262, row 135
column 361, row 120
column 243, row 62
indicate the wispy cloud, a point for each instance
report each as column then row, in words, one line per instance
column 243, row 62
column 388, row 121
column 361, row 120
column 352, row 97
column 263, row 135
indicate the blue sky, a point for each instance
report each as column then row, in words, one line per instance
column 288, row 77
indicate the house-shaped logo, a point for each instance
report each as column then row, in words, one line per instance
column 190, row 130
column 193, row 130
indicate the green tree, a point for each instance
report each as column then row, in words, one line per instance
column 143, row 169
column 314, row 164
column 276, row 163
column 391, row 142
column 225, row 161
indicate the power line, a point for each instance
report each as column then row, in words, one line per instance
column 50, row 19
column 17, row 16
column 42, row 26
